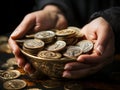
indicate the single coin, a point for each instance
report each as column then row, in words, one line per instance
column 15, row 84
column 73, row 52
column 49, row 55
column 85, row 45
column 77, row 30
column 44, row 34
column 4, row 47
column 57, row 46
column 30, row 36
column 65, row 32
column 33, row 44
column 12, row 61
column 51, row 83
column 3, row 39
column 10, row 74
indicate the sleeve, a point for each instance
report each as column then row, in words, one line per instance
column 61, row 4
column 112, row 16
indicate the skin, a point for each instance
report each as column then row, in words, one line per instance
column 98, row 30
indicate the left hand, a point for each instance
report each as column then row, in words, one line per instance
column 99, row 31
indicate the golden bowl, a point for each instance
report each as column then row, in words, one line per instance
column 50, row 68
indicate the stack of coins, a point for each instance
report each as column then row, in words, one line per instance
column 46, row 36
column 32, row 46
column 57, row 44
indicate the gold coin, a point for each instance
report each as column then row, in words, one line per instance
column 57, row 46
column 77, row 30
column 15, row 84
column 12, row 61
column 3, row 39
column 4, row 47
column 65, row 33
column 85, row 45
column 73, row 52
column 46, row 36
column 48, row 55
column 10, row 74
column 33, row 44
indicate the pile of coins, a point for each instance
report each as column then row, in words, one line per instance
column 11, row 76
column 56, row 44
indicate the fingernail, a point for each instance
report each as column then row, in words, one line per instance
column 67, row 67
column 66, row 74
column 100, row 49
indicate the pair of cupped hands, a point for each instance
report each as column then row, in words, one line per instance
column 98, row 30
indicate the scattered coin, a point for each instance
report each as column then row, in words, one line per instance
column 15, row 84
column 3, row 39
column 57, row 46
column 10, row 74
column 85, row 45
column 4, row 47
column 12, row 61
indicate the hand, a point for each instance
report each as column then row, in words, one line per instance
column 49, row 17
column 100, row 32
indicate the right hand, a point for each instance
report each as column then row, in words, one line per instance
column 48, row 18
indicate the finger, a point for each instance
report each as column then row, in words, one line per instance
column 61, row 22
column 90, row 58
column 82, row 72
column 104, row 34
column 14, row 47
column 75, row 66
column 27, row 24
column 28, row 68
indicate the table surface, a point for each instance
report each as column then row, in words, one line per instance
column 107, row 79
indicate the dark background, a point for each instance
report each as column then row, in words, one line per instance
column 12, row 13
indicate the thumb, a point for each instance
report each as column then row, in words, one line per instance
column 101, row 42
column 26, row 24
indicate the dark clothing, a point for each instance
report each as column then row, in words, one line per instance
column 80, row 12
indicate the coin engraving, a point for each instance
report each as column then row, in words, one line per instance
column 15, row 84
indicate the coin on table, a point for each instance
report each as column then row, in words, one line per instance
column 57, row 46
column 4, row 47
column 12, row 61
column 10, row 74
column 3, row 39
column 85, row 45
column 73, row 52
column 49, row 55
column 51, row 83
column 15, row 84
column 46, row 36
